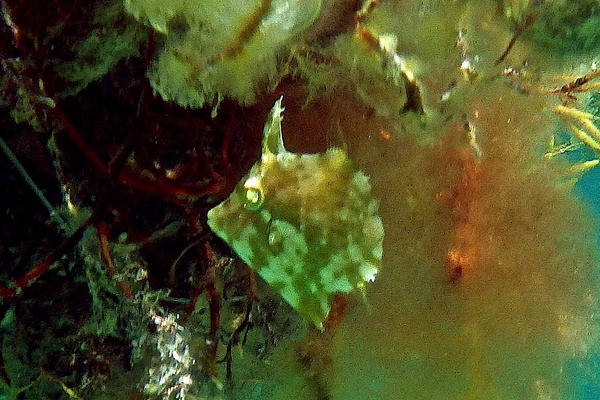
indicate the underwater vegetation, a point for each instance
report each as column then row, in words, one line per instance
column 322, row 199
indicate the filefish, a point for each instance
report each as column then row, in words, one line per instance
column 308, row 224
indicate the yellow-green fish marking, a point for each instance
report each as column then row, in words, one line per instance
column 306, row 223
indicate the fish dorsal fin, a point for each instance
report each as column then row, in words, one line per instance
column 272, row 137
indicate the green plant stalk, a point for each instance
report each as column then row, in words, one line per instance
column 38, row 192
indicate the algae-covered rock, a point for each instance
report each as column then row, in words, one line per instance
column 221, row 49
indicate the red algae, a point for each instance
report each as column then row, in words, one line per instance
column 488, row 283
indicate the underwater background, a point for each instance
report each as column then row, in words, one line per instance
column 588, row 186
column 300, row 199
column 588, row 189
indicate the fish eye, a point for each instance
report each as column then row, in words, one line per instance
column 253, row 194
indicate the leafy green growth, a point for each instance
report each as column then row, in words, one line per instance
column 110, row 38
column 566, row 27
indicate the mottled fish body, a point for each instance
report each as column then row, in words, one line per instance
column 306, row 223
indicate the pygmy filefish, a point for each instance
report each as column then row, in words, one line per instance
column 306, row 223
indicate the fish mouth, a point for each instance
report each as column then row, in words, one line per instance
column 226, row 218
column 211, row 217
column 216, row 220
